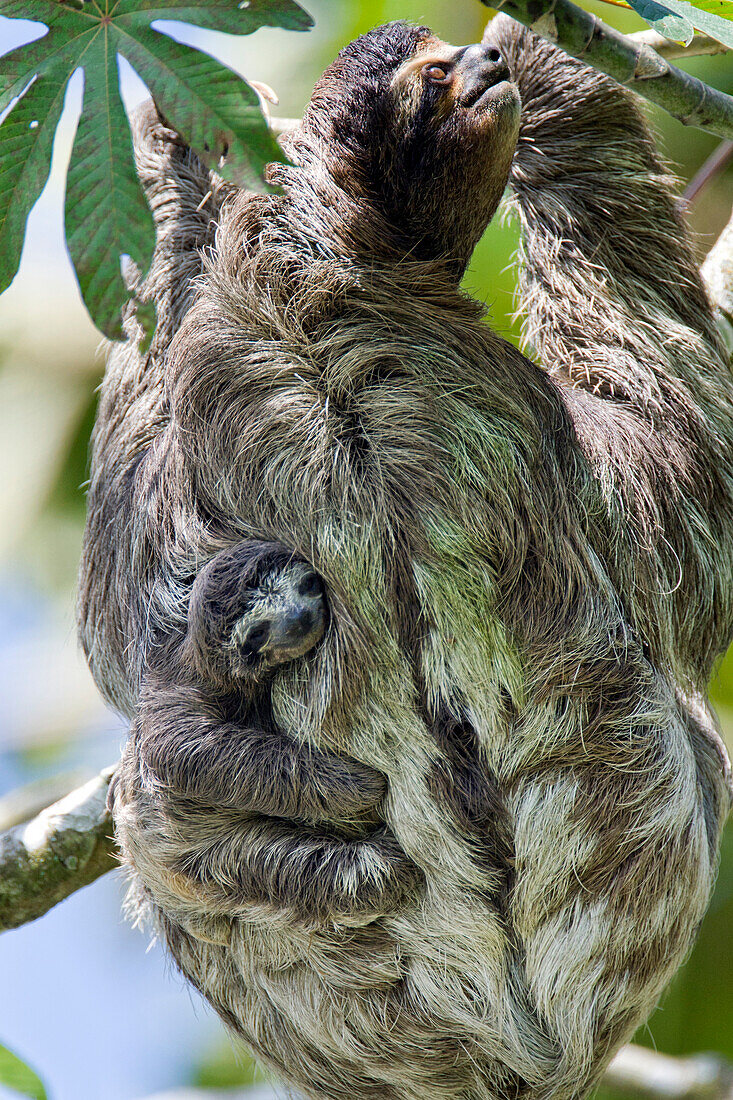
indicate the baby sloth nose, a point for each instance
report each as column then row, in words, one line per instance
column 298, row 623
column 479, row 68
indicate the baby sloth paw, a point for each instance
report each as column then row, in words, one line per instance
column 375, row 878
column 336, row 789
column 371, row 877
column 316, row 875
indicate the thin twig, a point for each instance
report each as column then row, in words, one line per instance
column 713, row 166
column 702, row 45
column 584, row 35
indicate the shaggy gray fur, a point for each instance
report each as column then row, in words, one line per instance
column 528, row 573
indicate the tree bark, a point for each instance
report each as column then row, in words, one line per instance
column 67, row 846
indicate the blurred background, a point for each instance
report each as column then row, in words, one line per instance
column 83, row 998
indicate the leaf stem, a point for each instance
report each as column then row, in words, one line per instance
column 702, row 45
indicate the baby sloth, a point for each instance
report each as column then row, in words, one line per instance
column 230, row 784
column 253, row 608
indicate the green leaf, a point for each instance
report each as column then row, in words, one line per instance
column 664, row 20
column 713, row 18
column 20, row 1077
column 677, row 19
column 106, row 212
column 221, row 15
column 25, row 161
column 211, row 106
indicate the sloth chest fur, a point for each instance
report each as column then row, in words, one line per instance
column 432, row 463
column 394, row 460
column 403, row 488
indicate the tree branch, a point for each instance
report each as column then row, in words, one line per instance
column 635, row 64
column 646, row 1075
column 716, row 163
column 65, row 847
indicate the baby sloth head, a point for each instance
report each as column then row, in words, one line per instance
column 253, row 607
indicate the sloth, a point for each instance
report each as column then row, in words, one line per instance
column 253, row 607
column 205, row 729
column 528, row 567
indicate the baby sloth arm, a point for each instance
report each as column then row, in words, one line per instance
column 206, row 727
column 240, row 801
column 204, row 861
column 191, row 748
column 239, row 814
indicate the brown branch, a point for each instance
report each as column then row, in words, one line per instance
column 67, row 846
column 716, row 163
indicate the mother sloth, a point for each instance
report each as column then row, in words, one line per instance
column 529, row 572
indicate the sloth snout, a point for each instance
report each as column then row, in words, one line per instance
column 298, row 623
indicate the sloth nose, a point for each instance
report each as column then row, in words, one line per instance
column 298, row 623
column 479, row 68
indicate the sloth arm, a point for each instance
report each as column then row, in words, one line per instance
column 185, row 741
column 614, row 308
column 248, row 814
column 119, row 571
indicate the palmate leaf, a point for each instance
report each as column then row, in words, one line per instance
column 209, row 105
column 678, row 19
column 660, row 16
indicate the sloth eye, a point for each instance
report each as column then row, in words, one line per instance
column 258, row 634
column 311, row 585
column 437, row 74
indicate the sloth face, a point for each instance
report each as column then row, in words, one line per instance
column 282, row 618
column 422, row 130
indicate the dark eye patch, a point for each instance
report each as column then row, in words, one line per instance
column 258, row 635
column 310, row 585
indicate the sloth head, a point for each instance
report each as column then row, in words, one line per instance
column 252, row 608
column 419, row 132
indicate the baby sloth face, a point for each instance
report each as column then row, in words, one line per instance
column 281, row 618
column 253, row 607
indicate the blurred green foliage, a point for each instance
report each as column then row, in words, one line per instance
column 696, row 1014
column 19, row 1077
column 225, row 1066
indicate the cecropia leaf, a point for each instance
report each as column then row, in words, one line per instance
column 106, row 213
